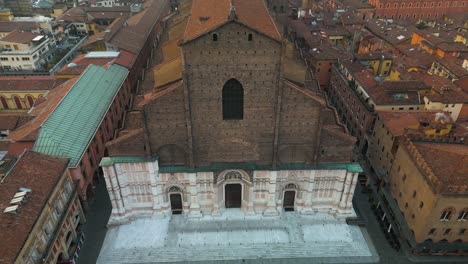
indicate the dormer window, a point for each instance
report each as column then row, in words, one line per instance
column 215, row 36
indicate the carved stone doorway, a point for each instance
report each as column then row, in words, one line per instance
column 288, row 203
column 176, row 203
column 233, row 195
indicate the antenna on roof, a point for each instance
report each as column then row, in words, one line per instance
column 232, row 11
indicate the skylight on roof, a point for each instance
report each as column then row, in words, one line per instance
column 400, row 96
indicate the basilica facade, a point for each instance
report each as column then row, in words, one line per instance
column 230, row 130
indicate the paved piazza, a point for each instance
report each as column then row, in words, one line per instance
column 235, row 236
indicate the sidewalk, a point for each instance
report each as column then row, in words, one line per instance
column 95, row 228
column 388, row 254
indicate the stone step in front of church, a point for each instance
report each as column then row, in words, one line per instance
column 346, row 252
column 178, row 239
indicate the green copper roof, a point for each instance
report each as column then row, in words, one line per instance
column 70, row 127
column 351, row 167
column 45, row 4
column 109, row 161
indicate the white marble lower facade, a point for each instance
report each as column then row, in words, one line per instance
column 140, row 190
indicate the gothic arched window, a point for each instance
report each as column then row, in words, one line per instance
column 30, row 100
column 233, row 100
column 447, row 214
column 3, row 102
column 17, row 102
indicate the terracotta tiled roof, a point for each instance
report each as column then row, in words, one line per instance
column 40, row 173
column 397, row 122
column 208, row 15
column 463, row 84
column 16, row 36
column 449, row 162
column 8, row 121
column 455, row 67
column 151, row 96
column 391, row 33
column 126, row 59
column 133, row 36
column 88, row 14
column 82, row 62
column 28, row 83
column 41, row 112
column 8, row 26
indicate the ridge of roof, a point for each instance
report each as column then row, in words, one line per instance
column 208, row 15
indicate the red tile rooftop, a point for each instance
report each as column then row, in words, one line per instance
column 28, row 131
column 28, row 83
column 206, row 15
column 21, row 37
column 448, row 162
column 38, row 172
column 397, row 122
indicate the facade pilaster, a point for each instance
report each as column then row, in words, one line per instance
column 194, row 211
column 271, row 202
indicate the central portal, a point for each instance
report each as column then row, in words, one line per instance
column 288, row 202
column 233, row 195
column 176, row 203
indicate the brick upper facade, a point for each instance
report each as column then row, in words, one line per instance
column 417, row 9
column 282, row 122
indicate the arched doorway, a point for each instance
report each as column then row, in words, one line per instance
column 289, row 197
column 175, row 198
column 234, row 190
column 233, row 195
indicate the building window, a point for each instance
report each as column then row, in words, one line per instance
column 404, row 177
column 3, row 103
column 447, row 214
column 25, row 58
column 462, row 231
column 414, row 194
column 421, row 205
column 30, row 100
column 447, row 231
column 432, row 231
column 250, row 37
column 215, row 36
column 463, row 215
column 233, row 100
column 17, row 102
column 3, row 59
